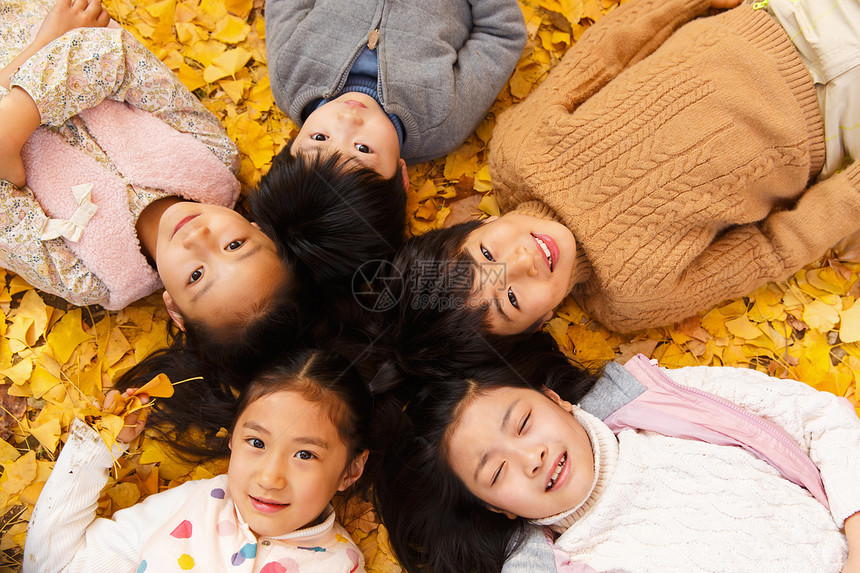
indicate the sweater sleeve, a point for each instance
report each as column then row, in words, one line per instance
column 825, row 426
column 85, row 66
column 744, row 257
column 538, row 553
column 616, row 42
column 485, row 62
column 64, row 535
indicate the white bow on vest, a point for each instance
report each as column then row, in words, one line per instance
column 72, row 227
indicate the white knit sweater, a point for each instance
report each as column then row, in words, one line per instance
column 667, row 504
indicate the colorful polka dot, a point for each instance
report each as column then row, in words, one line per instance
column 354, row 557
column 185, row 562
column 273, row 567
column 217, row 493
column 248, row 551
column 316, row 549
column 225, row 528
column 182, row 531
column 340, row 538
column 142, row 567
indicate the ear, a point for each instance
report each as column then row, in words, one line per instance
column 507, row 514
column 404, row 173
column 353, row 471
column 490, row 219
column 553, row 395
column 173, row 311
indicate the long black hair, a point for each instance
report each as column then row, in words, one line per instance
column 434, row 522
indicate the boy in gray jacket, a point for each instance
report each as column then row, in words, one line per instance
column 390, row 81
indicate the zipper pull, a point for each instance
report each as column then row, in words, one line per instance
column 760, row 5
column 373, row 39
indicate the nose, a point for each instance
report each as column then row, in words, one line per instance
column 350, row 117
column 271, row 472
column 521, row 263
column 534, row 457
column 198, row 237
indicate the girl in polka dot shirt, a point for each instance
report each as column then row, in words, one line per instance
column 298, row 438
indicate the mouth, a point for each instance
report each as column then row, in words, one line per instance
column 181, row 224
column 266, row 505
column 548, row 248
column 353, row 103
column 559, row 473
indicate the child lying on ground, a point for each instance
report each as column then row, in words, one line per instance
column 105, row 216
column 298, row 438
column 390, row 82
column 643, row 477
column 664, row 166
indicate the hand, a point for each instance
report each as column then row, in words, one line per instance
column 725, row 4
column 135, row 421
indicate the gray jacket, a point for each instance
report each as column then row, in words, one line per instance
column 441, row 62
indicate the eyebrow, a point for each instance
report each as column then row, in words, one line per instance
column 209, row 284
column 499, row 306
column 505, row 419
column 255, row 426
column 312, row 440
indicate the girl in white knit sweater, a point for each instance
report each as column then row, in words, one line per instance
column 497, row 453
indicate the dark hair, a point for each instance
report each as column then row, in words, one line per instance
column 205, row 401
column 320, row 376
column 434, row 522
column 327, row 215
column 437, row 326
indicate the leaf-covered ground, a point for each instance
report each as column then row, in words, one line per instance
column 56, row 359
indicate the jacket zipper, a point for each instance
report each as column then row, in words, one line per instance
column 792, row 445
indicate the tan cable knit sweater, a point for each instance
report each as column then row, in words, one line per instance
column 680, row 156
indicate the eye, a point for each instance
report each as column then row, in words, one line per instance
column 487, row 254
column 513, row 298
column 319, row 137
column 256, row 443
column 305, row 455
column 195, row 276
column 497, row 474
column 362, row 148
column 523, row 425
column 235, row 245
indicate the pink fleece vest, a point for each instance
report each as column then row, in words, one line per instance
column 148, row 153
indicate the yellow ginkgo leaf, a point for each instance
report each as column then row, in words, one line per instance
column 67, row 334
column 849, row 328
column 231, row 29
column 158, row 387
column 48, row 434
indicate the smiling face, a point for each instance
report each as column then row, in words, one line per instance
column 521, row 453
column 355, row 125
column 287, row 461
column 215, row 265
column 538, row 259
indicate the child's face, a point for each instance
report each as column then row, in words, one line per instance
column 522, row 283
column 356, row 126
column 214, row 264
column 287, row 461
column 521, row 453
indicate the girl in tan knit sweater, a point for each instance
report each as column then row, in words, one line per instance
column 666, row 165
